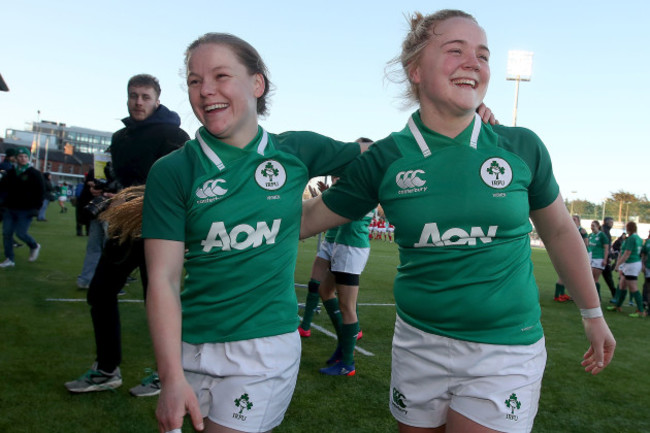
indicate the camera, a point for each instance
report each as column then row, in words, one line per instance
column 96, row 206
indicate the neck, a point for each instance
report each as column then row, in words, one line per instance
column 445, row 123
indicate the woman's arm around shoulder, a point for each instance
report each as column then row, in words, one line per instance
column 567, row 252
column 317, row 217
column 165, row 266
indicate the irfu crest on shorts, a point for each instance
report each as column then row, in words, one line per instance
column 513, row 404
column 242, row 403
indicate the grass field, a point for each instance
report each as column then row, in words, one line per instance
column 46, row 341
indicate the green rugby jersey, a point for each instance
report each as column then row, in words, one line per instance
column 460, row 207
column 597, row 242
column 633, row 244
column 355, row 233
column 330, row 235
column 646, row 251
column 238, row 212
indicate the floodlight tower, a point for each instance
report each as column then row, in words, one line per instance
column 520, row 68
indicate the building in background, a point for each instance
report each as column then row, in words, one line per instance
column 65, row 151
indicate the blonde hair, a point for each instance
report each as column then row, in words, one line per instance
column 421, row 29
column 124, row 216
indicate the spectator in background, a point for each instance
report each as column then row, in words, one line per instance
column 48, row 196
column 151, row 131
column 6, row 166
column 24, row 187
column 84, row 196
column 96, row 231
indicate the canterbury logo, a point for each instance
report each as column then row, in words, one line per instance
column 409, row 179
column 211, row 188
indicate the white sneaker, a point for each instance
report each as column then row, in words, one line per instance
column 33, row 254
column 8, row 263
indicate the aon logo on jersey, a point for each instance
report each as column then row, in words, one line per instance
column 431, row 236
column 241, row 236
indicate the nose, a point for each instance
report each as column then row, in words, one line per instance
column 472, row 62
column 208, row 87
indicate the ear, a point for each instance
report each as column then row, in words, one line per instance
column 157, row 103
column 259, row 85
column 414, row 73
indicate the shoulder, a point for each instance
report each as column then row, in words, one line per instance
column 517, row 139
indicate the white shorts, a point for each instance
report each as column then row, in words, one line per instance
column 497, row 386
column 244, row 385
column 598, row 263
column 631, row 269
column 325, row 250
column 350, row 260
column 63, row 198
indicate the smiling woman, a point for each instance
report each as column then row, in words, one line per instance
column 468, row 351
column 227, row 208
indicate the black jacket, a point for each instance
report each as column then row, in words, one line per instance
column 24, row 191
column 136, row 147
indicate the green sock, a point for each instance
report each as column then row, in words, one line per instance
column 617, row 295
column 639, row 300
column 332, row 308
column 559, row 289
column 310, row 305
column 598, row 289
column 348, row 341
column 621, row 297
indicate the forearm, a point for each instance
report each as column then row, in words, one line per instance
column 567, row 252
column 164, row 266
column 317, row 217
column 164, row 316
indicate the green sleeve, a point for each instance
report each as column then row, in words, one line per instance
column 321, row 155
column 357, row 192
column 164, row 211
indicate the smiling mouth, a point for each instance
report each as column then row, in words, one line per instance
column 215, row 107
column 462, row 82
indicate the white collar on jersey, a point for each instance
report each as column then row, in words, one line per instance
column 212, row 156
column 473, row 141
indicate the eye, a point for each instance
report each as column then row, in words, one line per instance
column 455, row 51
column 221, row 76
column 192, row 82
column 484, row 57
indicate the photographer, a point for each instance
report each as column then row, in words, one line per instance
column 93, row 200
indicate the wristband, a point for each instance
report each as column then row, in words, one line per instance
column 591, row 313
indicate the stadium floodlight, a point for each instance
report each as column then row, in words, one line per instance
column 520, row 68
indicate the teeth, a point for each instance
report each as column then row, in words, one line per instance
column 465, row 81
column 215, row 106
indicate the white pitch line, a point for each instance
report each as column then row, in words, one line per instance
column 83, row 300
column 332, row 335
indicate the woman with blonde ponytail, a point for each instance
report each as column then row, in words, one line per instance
column 468, row 351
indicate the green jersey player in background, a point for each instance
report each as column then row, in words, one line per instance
column 629, row 266
column 468, row 350
column 645, row 268
column 598, row 252
column 227, row 208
